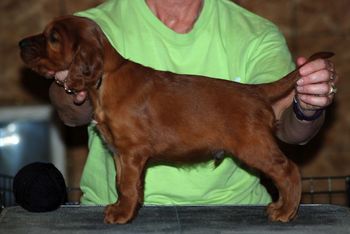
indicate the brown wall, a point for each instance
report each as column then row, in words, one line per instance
column 308, row 25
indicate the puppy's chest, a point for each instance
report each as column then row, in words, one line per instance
column 119, row 118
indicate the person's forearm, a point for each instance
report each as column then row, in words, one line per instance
column 294, row 131
column 70, row 113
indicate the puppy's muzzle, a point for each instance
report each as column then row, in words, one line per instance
column 32, row 47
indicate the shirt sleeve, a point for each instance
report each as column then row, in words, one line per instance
column 269, row 58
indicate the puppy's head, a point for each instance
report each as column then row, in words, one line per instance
column 68, row 43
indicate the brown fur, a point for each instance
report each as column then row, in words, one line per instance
column 146, row 114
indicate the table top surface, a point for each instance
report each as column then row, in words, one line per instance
column 177, row 219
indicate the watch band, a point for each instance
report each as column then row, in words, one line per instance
column 301, row 116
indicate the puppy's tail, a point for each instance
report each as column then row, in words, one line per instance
column 280, row 88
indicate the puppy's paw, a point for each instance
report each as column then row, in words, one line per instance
column 278, row 212
column 115, row 214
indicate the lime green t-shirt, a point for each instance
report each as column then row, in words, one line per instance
column 226, row 42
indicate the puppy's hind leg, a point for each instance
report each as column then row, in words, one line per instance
column 289, row 187
column 266, row 157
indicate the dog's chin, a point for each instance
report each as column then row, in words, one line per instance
column 45, row 74
column 49, row 74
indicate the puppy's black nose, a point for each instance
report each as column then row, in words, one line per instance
column 24, row 43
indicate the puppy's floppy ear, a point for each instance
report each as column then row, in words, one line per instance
column 87, row 66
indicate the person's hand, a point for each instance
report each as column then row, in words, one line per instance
column 78, row 97
column 74, row 109
column 316, row 88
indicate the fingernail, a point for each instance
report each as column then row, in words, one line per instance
column 303, row 71
column 302, row 97
column 300, row 81
column 300, row 88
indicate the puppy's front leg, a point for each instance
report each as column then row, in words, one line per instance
column 130, row 181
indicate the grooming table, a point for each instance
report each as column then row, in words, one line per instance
column 318, row 219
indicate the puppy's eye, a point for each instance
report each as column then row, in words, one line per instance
column 53, row 37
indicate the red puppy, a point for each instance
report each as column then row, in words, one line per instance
column 144, row 114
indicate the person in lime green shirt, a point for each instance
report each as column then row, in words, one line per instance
column 214, row 38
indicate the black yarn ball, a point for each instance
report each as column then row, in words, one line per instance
column 39, row 187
